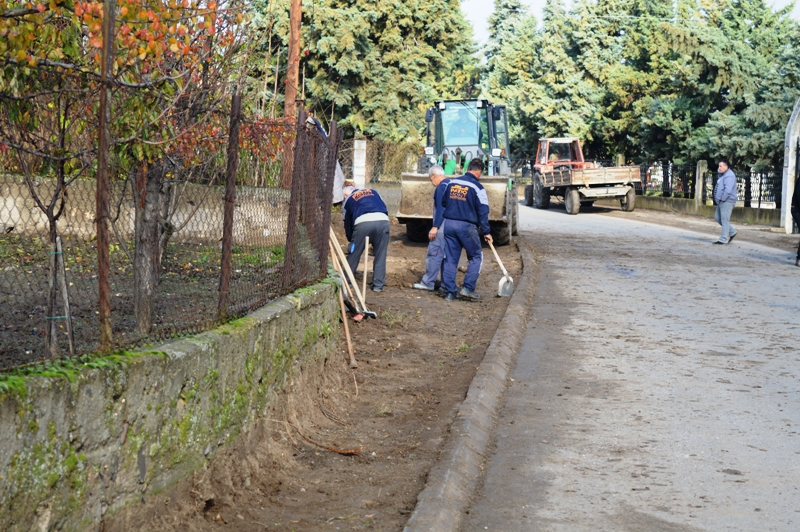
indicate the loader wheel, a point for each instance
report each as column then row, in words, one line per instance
column 501, row 233
column 628, row 203
column 529, row 195
column 541, row 195
column 572, row 201
column 418, row 231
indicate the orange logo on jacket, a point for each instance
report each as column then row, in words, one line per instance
column 457, row 192
column 361, row 194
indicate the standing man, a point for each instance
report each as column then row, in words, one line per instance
column 725, row 196
column 466, row 218
column 365, row 215
column 796, row 213
column 434, row 258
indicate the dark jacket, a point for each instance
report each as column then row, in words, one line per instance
column 438, row 194
column 361, row 201
column 465, row 199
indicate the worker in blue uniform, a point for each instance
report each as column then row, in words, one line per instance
column 365, row 215
column 434, row 258
column 465, row 216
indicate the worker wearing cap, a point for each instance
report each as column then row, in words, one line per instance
column 466, row 218
column 434, row 258
column 365, row 215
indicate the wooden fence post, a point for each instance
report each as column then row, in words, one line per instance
column 230, row 202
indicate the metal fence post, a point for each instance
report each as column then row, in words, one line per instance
column 230, row 201
column 699, row 183
column 333, row 142
column 748, row 188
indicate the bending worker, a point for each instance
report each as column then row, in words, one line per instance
column 434, row 258
column 365, row 215
column 465, row 217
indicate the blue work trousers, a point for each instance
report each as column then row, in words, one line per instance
column 434, row 259
column 460, row 235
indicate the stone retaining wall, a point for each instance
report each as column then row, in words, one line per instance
column 89, row 437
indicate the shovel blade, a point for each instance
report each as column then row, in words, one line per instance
column 506, row 286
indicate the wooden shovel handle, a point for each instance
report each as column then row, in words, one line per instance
column 496, row 256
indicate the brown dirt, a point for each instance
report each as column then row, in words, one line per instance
column 415, row 364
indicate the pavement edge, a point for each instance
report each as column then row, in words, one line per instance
column 452, row 482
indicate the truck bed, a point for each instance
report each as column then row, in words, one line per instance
column 614, row 175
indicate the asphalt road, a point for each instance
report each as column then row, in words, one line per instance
column 657, row 388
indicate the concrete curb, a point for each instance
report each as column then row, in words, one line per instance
column 453, row 480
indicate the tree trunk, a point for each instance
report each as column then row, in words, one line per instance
column 51, row 323
column 146, row 254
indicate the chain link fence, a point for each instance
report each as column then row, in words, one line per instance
column 169, row 241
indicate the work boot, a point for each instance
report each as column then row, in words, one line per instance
column 450, row 297
column 420, row 286
column 466, row 294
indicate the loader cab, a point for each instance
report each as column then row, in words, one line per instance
column 459, row 130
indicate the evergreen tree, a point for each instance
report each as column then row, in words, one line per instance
column 380, row 64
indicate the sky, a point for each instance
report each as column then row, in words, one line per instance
column 478, row 12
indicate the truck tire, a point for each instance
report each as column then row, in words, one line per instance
column 541, row 195
column 417, row 231
column 628, row 203
column 529, row 195
column 501, row 233
column 572, row 201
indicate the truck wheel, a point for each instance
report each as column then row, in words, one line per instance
column 629, row 201
column 572, row 201
column 418, row 231
column 541, row 195
column 501, row 233
column 529, row 195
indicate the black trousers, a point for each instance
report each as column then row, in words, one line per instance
column 796, row 216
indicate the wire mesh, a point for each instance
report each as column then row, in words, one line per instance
column 164, row 265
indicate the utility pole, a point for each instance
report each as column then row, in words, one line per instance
column 293, row 68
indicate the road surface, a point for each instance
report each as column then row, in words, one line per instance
column 657, row 388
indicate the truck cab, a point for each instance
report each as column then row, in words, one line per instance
column 560, row 153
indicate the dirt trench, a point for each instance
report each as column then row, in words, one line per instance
column 415, row 365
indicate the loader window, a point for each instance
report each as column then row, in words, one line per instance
column 500, row 129
column 461, row 124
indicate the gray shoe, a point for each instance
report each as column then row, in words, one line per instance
column 420, row 286
column 466, row 294
column 377, row 289
column 450, row 297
